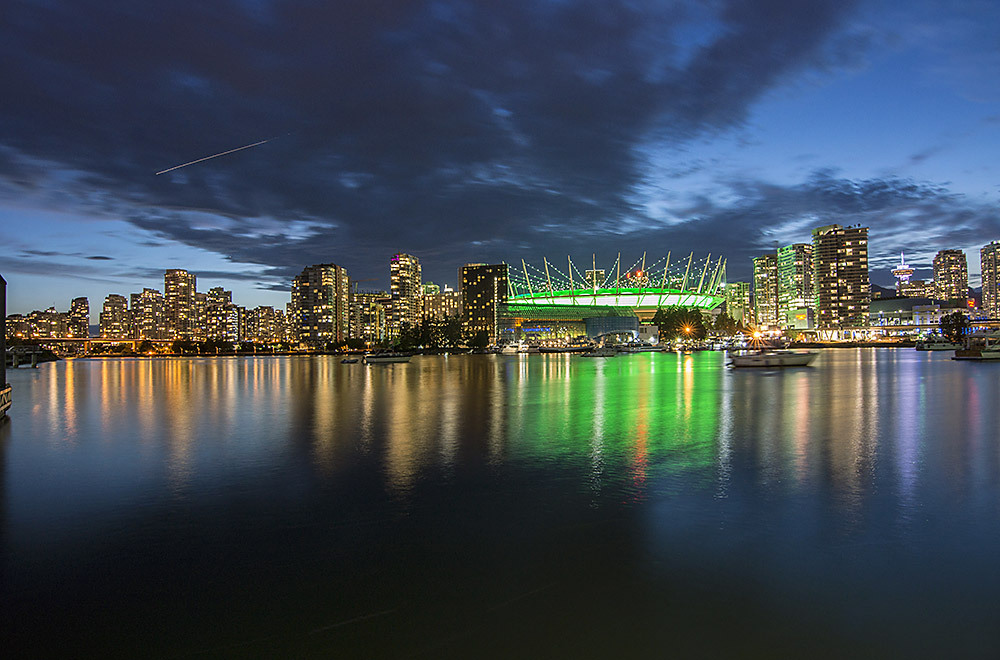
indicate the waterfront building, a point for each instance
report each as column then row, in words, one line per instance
column 405, row 292
column 18, row 327
column 989, row 257
column 951, row 275
column 483, row 288
column 48, row 323
column 148, row 316
column 320, row 305
column 765, row 290
column 840, row 269
column 369, row 321
column 442, row 304
column 795, row 286
column 738, row 302
column 265, row 325
column 115, row 321
column 79, row 318
column 179, row 309
column 222, row 317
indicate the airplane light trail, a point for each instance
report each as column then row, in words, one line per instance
column 177, row 167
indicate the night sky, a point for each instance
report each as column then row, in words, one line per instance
column 482, row 131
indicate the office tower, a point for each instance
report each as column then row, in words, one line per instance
column 368, row 316
column 148, row 317
column 442, row 304
column 222, row 317
column 430, row 288
column 951, row 275
column 483, row 289
column 405, row 291
column 840, row 271
column 320, row 302
column 179, row 304
column 765, row 290
column 114, row 318
column 48, row 323
column 79, row 318
column 199, row 323
column 989, row 257
column 795, row 280
column 738, row 302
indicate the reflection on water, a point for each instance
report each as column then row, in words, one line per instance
column 860, row 477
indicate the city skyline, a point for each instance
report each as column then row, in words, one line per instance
column 484, row 134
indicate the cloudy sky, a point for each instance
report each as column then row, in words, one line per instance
column 482, row 131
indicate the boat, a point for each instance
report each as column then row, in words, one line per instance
column 388, row 356
column 349, row 361
column 937, row 344
column 773, row 358
column 603, row 351
column 980, row 346
column 509, row 349
column 564, row 349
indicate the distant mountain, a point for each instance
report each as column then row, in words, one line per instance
column 882, row 292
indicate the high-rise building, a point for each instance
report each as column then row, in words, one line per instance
column 222, row 318
column 79, row 318
column 483, row 288
column 951, row 275
column 48, row 323
column 430, row 288
column 114, row 319
column 918, row 289
column 441, row 304
column 795, row 280
column 368, row 316
column 179, row 287
column 148, row 318
column 840, row 271
column 989, row 257
column 405, row 291
column 765, row 290
column 738, row 301
column 266, row 325
column 320, row 305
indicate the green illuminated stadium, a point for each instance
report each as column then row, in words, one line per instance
column 641, row 289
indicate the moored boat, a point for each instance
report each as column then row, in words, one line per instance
column 772, row 358
column 937, row 344
column 603, row 351
column 389, row 356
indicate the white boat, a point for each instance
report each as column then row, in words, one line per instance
column 937, row 345
column 379, row 358
column 773, row 358
column 509, row 349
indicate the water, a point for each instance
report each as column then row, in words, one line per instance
column 494, row 506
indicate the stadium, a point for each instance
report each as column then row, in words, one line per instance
column 551, row 303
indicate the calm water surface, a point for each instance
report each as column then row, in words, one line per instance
column 650, row 505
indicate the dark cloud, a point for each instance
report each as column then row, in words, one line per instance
column 99, row 257
column 457, row 131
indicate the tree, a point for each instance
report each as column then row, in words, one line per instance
column 954, row 326
column 725, row 325
column 677, row 322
